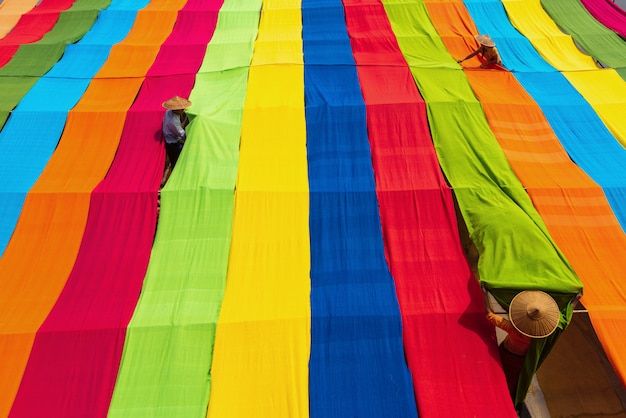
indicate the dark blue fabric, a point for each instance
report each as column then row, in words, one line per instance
column 577, row 126
column 357, row 365
column 33, row 130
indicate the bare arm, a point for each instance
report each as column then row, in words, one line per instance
column 470, row 55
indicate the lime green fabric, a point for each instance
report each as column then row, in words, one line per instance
column 516, row 251
column 166, row 366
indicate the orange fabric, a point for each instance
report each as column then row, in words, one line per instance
column 41, row 253
column 573, row 207
column 10, row 13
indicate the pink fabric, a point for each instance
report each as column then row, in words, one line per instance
column 608, row 13
column 450, row 347
column 77, row 352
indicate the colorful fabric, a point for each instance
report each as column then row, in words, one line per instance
column 353, row 296
column 608, row 13
column 308, row 258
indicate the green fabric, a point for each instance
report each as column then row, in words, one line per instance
column 13, row 89
column 32, row 61
column 232, row 46
column 515, row 248
column 166, row 364
column 596, row 39
column 74, row 22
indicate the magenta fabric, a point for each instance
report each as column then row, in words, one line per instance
column 77, row 352
column 449, row 345
column 608, row 13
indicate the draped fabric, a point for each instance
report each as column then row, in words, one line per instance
column 574, row 122
column 354, row 310
column 92, row 338
column 263, row 337
column 314, row 251
column 30, row 28
column 569, row 114
column 442, row 313
column 31, row 61
column 608, row 13
column 11, row 12
column 49, row 100
column 605, row 88
column 44, row 244
column 166, row 353
column 595, row 39
column 587, row 232
column 500, row 217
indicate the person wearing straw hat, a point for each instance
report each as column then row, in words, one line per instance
column 532, row 314
column 175, row 121
column 487, row 50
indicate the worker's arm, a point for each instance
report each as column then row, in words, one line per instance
column 470, row 55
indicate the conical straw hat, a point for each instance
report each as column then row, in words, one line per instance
column 534, row 313
column 176, row 103
column 485, row 40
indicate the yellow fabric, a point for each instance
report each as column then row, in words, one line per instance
column 556, row 47
column 262, row 344
column 10, row 13
column 605, row 91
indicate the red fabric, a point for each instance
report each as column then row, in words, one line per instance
column 31, row 27
column 608, row 13
column 77, row 351
column 450, row 347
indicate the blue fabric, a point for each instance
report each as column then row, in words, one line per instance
column 583, row 135
column 357, row 365
column 33, row 130
column 577, row 126
column 516, row 51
